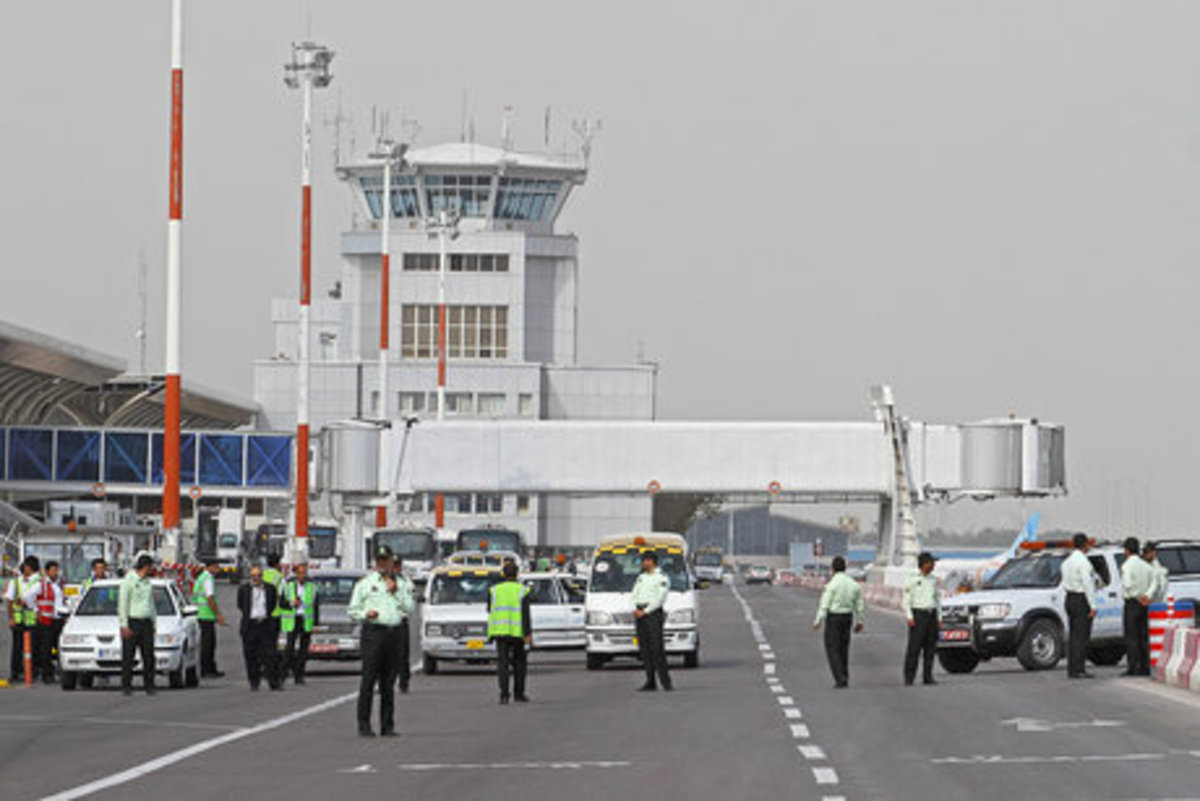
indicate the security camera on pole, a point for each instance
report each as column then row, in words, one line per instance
column 309, row 68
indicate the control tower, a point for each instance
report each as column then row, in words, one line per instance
column 512, row 294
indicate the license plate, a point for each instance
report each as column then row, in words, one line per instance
column 476, row 645
column 323, row 648
column 954, row 635
column 108, row 653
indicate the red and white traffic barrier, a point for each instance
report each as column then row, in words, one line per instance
column 1164, row 616
column 1180, row 662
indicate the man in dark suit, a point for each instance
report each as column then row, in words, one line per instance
column 260, row 630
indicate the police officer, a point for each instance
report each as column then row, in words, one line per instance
column 303, row 614
column 1137, row 582
column 1079, row 581
column 137, row 617
column 921, row 606
column 404, row 586
column 649, row 594
column 509, row 627
column 379, row 604
column 21, row 618
column 204, row 598
column 842, row 607
column 1158, row 591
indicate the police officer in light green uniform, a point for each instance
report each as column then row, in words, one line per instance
column 298, row 620
column 1137, row 582
column 137, row 616
column 649, row 595
column 841, row 603
column 921, row 605
column 1158, row 588
column 509, row 627
column 379, row 604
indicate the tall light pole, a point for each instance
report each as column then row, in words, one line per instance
column 392, row 155
column 173, row 405
column 445, row 225
column 309, row 68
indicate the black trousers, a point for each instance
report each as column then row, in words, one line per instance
column 261, row 652
column 837, row 645
column 922, row 645
column 652, row 647
column 403, row 669
column 1079, row 621
column 141, row 642
column 511, row 659
column 43, row 648
column 295, row 660
column 16, row 660
column 208, row 647
column 1137, row 638
column 379, row 649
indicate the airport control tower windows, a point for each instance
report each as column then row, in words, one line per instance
column 404, row 195
column 472, row 332
column 458, row 262
column 469, row 194
column 531, row 199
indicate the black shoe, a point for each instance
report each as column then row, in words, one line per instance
column 841, row 685
column 521, row 699
column 647, row 688
column 908, row 682
column 276, row 688
column 365, row 733
column 213, row 674
column 668, row 686
column 151, row 690
column 127, row 691
column 503, row 700
column 929, row 682
column 404, row 689
column 388, row 733
column 253, row 688
column 300, row 680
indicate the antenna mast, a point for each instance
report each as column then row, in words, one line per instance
column 587, row 130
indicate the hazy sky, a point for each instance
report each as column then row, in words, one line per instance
column 991, row 205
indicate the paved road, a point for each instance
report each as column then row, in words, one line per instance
column 737, row 728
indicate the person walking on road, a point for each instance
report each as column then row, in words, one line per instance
column 842, row 608
column 649, row 595
column 1137, row 583
column 99, row 573
column 404, row 587
column 1079, row 581
column 298, row 621
column 204, row 598
column 1158, row 590
column 21, row 618
column 378, row 603
column 137, row 616
column 921, row 606
column 260, row 630
column 510, row 628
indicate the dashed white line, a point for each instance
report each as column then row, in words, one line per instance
column 791, row 713
column 814, row 752
column 833, row 798
column 776, row 688
column 769, row 669
column 825, row 775
column 432, row 766
column 786, row 700
column 799, row 731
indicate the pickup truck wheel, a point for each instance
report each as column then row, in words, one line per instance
column 191, row 677
column 69, row 679
column 1042, row 646
column 175, row 679
column 429, row 665
column 958, row 660
column 691, row 659
column 87, row 680
column 595, row 661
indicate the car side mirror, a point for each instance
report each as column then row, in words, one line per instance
column 190, row 611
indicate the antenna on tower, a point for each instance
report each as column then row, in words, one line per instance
column 506, row 129
column 587, row 131
column 140, row 334
column 336, row 123
column 462, row 117
column 546, row 130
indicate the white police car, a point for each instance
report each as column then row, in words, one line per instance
column 1021, row 612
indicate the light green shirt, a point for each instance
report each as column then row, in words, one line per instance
column 135, row 599
column 1137, row 578
column 1158, row 590
column 371, row 594
column 1078, row 575
column 920, row 592
column 841, row 596
column 650, row 591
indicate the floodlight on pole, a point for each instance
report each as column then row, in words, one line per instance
column 308, row 69
column 392, row 155
column 172, row 408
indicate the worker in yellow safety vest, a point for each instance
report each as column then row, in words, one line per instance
column 510, row 629
column 21, row 618
column 298, row 621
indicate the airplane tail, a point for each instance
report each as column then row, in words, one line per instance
column 1026, row 534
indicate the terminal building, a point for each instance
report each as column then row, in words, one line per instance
column 512, row 293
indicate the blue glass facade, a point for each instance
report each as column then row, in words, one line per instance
column 268, row 461
column 126, row 458
column 221, row 459
column 77, row 456
column 31, row 454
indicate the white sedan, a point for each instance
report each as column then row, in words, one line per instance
column 556, row 609
column 91, row 638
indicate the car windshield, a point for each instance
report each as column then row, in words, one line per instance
column 408, row 544
column 708, row 559
column 488, row 540
column 617, row 572
column 334, row 589
column 1028, row 571
column 465, row 589
column 575, row 589
column 541, row 591
column 102, row 602
column 1180, row 560
column 227, row 541
column 322, row 542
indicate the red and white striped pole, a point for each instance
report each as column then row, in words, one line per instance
column 381, row 512
column 172, row 409
column 309, row 68
column 446, row 224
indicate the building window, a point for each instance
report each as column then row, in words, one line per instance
column 469, row 194
column 472, row 332
column 522, row 504
column 489, row 504
column 412, row 402
column 458, row 503
column 492, row 404
column 404, row 195
column 525, row 405
column 457, row 262
column 459, row 403
column 531, row 199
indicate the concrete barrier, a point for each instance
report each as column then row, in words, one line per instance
column 1164, row 616
column 874, row 593
column 1180, row 662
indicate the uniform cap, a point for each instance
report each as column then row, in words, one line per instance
column 926, row 558
column 383, row 552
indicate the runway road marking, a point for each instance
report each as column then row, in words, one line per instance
column 1062, row 759
column 800, row 731
column 768, row 655
column 786, row 700
column 825, row 775
column 811, row 752
column 359, row 769
column 833, row 798
column 776, row 688
column 769, row 669
column 166, row 760
column 122, row 721
column 792, row 713
column 431, row 766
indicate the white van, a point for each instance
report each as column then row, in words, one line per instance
column 609, row 610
